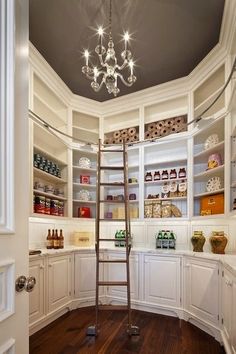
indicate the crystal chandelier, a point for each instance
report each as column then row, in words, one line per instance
column 109, row 70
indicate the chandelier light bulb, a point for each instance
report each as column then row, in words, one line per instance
column 126, row 36
column 100, row 31
column 86, row 54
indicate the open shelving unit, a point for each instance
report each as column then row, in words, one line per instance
column 79, row 171
column 48, row 147
column 159, row 157
column 202, row 173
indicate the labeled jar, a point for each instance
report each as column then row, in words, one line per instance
column 182, row 172
column 157, row 176
column 148, row 177
column 164, row 175
column 39, row 206
column 173, row 174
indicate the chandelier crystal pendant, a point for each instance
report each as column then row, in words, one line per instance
column 109, row 71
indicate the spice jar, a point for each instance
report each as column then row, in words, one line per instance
column 182, row 172
column 157, row 176
column 173, row 174
column 164, row 174
column 148, row 177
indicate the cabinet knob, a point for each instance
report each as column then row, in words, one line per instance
column 50, row 265
column 187, row 265
column 41, row 267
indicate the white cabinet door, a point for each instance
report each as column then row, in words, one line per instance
column 227, row 302
column 233, row 313
column 202, row 289
column 37, row 296
column 162, row 280
column 117, row 272
column 59, row 281
column 85, row 276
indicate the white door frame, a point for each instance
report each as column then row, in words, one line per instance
column 14, row 174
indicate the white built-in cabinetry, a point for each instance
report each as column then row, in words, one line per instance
column 193, row 287
column 54, row 286
column 201, row 286
column 229, row 308
column 37, row 297
column 59, row 281
column 162, row 281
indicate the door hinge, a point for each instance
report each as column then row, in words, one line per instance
column 218, row 317
column 69, row 293
column 70, row 260
column 218, row 272
column 223, row 273
column 180, row 300
column 222, row 321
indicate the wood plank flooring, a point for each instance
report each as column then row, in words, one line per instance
column 158, row 335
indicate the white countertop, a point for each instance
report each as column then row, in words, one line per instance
column 227, row 260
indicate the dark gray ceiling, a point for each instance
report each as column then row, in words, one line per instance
column 170, row 37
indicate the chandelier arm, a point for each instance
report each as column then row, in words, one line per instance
column 100, row 86
column 123, row 66
column 89, row 77
column 124, row 81
column 101, row 60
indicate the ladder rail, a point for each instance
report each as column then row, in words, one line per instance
column 98, row 231
column 127, row 230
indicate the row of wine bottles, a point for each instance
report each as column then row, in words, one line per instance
column 55, row 240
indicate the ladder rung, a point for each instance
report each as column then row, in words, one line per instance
column 115, row 168
column 113, row 184
column 110, row 150
column 113, row 261
column 112, row 283
column 112, row 201
column 113, row 307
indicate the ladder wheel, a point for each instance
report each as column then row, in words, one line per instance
column 133, row 331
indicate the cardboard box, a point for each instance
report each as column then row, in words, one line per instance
column 82, row 238
column 118, row 213
column 213, row 204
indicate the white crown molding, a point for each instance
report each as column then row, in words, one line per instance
column 148, row 96
column 228, row 27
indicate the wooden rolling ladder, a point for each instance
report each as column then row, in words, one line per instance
column 131, row 329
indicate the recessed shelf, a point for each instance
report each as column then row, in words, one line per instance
column 81, row 151
column 46, row 176
column 49, row 195
column 162, row 164
column 201, row 106
column 208, row 193
column 84, row 201
column 164, row 180
column 118, row 201
column 209, row 173
column 203, row 155
column 56, row 118
column 91, row 170
column 161, row 199
column 45, row 153
column 83, row 185
column 48, row 216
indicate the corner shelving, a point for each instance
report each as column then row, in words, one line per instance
column 205, row 201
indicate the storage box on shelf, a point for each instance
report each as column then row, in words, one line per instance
column 85, row 127
column 208, row 163
column 113, row 189
column 205, row 94
column 165, row 186
column 84, row 182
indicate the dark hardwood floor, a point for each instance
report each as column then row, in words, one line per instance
column 158, row 335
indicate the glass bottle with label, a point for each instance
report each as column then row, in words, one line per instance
column 61, row 240
column 49, row 240
column 56, row 240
